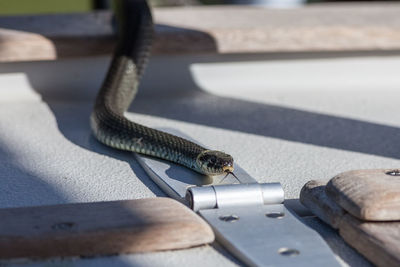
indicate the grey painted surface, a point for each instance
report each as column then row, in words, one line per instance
column 289, row 120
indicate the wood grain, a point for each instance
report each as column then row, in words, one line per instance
column 18, row 45
column 313, row 196
column 367, row 194
column 183, row 30
column 379, row 242
column 129, row 226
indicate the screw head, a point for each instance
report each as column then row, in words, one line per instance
column 229, row 218
column 395, row 172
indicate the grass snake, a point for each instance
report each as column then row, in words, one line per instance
column 108, row 123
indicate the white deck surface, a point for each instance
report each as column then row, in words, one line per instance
column 289, row 120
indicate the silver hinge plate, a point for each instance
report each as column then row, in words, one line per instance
column 268, row 235
column 260, row 233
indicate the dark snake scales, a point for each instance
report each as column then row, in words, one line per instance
column 108, row 123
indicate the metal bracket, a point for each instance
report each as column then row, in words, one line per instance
column 248, row 219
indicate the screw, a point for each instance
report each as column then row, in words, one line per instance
column 275, row 215
column 393, row 172
column 229, row 218
column 288, row 252
column 63, row 226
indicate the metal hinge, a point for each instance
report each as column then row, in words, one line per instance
column 234, row 195
column 248, row 219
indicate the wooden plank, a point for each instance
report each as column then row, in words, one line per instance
column 128, row 226
column 367, row 194
column 379, row 242
column 227, row 29
column 313, row 196
column 17, row 45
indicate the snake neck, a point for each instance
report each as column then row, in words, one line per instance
column 112, row 128
column 119, row 88
column 135, row 34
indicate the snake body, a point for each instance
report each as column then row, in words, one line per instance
column 108, row 123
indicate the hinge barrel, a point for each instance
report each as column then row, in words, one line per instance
column 220, row 196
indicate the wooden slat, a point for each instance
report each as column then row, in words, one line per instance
column 313, row 196
column 17, row 45
column 227, row 29
column 379, row 242
column 370, row 195
column 129, row 226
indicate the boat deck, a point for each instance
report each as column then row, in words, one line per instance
column 284, row 117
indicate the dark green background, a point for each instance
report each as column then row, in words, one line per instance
column 8, row 7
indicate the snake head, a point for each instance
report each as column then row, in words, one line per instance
column 212, row 162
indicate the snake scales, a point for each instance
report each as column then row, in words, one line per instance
column 118, row 91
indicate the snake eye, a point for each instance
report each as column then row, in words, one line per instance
column 214, row 162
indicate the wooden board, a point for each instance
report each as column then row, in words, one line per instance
column 313, row 196
column 379, row 242
column 212, row 29
column 371, row 195
column 129, row 226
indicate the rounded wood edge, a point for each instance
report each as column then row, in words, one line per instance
column 362, row 193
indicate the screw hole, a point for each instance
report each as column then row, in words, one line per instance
column 393, row 172
column 288, row 252
column 229, row 218
column 275, row 215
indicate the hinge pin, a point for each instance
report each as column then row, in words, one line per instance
column 234, row 195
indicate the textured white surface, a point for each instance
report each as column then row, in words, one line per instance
column 278, row 119
column 196, row 257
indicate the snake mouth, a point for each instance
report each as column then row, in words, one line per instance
column 227, row 169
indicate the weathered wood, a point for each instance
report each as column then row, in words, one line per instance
column 16, row 45
column 379, row 242
column 227, row 29
column 100, row 228
column 313, row 196
column 367, row 194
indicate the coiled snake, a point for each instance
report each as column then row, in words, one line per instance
column 119, row 88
